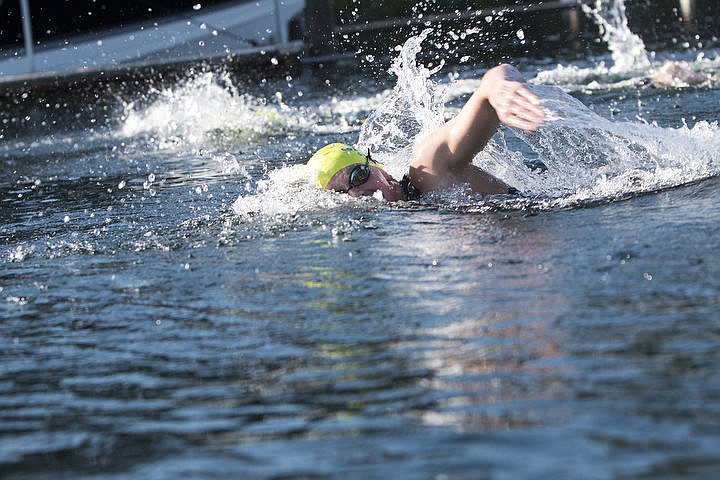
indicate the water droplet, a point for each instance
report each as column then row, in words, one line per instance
column 121, row 185
column 197, row 6
column 520, row 34
column 66, row 219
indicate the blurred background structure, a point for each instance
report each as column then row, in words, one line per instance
column 42, row 39
column 65, row 38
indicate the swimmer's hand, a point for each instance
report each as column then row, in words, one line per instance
column 514, row 103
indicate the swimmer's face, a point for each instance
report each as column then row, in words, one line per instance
column 347, row 181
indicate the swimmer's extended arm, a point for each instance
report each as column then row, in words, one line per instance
column 444, row 158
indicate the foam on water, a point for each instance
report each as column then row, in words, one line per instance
column 287, row 199
column 208, row 108
column 588, row 158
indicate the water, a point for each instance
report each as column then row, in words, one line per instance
column 177, row 301
column 627, row 49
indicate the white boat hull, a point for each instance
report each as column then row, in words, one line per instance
column 206, row 34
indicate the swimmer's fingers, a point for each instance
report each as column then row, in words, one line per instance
column 528, row 101
column 517, row 106
column 524, row 110
column 528, row 95
column 516, row 121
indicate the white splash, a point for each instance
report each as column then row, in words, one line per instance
column 207, row 107
column 627, row 49
column 587, row 157
column 287, row 198
column 630, row 65
column 629, row 56
column 590, row 158
column 415, row 107
column 20, row 253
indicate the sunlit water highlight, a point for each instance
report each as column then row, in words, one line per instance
column 179, row 302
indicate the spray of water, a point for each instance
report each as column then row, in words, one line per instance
column 630, row 63
column 627, row 49
column 629, row 58
column 413, row 109
column 588, row 158
column 286, row 199
column 207, row 109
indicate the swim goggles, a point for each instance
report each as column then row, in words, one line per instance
column 360, row 174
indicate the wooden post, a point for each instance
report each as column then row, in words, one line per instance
column 319, row 26
column 28, row 34
column 687, row 7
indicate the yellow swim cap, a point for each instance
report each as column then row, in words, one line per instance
column 332, row 158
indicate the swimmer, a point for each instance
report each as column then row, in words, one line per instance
column 444, row 158
column 674, row 73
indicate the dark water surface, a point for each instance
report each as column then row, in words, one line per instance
column 149, row 332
